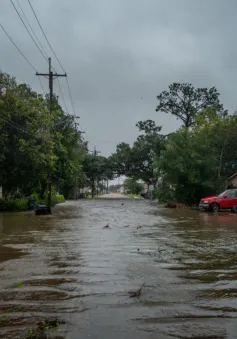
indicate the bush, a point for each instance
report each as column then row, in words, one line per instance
column 17, row 205
column 163, row 194
column 57, row 199
column 21, row 204
column 36, row 197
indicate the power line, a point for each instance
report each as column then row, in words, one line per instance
column 41, row 85
column 42, row 48
column 45, row 35
column 69, row 90
column 18, row 49
column 28, row 31
column 70, row 94
column 63, row 99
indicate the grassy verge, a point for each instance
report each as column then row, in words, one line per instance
column 134, row 196
column 22, row 204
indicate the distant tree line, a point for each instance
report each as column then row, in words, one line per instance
column 193, row 161
column 185, row 165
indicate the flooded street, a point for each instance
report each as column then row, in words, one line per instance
column 68, row 266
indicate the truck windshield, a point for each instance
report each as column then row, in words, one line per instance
column 221, row 195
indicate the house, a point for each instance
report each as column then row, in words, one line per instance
column 232, row 181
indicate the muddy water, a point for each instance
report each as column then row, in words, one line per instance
column 68, row 266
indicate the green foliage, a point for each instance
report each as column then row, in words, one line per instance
column 34, row 143
column 132, row 186
column 198, row 162
column 18, row 205
column 20, row 285
column 185, row 102
column 97, row 168
column 57, row 199
column 194, row 161
column 137, row 161
column 134, row 196
column 164, row 193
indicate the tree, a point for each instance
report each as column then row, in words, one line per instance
column 185, row 102
column 188, row 166
column 137, row 161
column 34, row 143
column 96, row 168
column 198, row 162
column 132, row 186
column 25, row 143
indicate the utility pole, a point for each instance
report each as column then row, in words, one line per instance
column 95, row 153
column 50, row 76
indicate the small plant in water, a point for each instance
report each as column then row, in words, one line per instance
column 40, row 332
column 20, row 285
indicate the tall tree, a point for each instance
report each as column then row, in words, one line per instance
column 96, row 168
column 34, row 143
column 137, row 161
column 132, row 186
column 185, row 102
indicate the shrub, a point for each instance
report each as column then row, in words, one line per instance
column 163, row 194
column 18, row 205
column 57, row 199
column 36, row 197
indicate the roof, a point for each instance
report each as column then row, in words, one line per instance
column 232, row 176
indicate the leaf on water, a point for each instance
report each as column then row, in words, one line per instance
column 20, row 285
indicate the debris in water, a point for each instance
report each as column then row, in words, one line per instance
column 20, row 285
column 138, row 249
column 122, row 203
column 137, row 293
column 139, row 227
column 106, row 226
column 42, row 327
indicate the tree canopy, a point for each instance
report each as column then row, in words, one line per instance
column 185, row 101
column 33, row 143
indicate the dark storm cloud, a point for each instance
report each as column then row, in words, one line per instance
column 120, row 54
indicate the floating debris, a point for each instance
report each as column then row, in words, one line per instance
column 136, row 293
column 106, row 226
column 40, row 332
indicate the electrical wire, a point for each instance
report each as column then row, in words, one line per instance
column 28, row 31
column 45, row 35
column 41, row 85
column 18, row 48
column 69, row 90
column 30, row 64
column 33, row 32
column 63, row 99
column 70, row 94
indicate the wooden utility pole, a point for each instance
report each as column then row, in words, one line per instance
column 50, row 76
column 95, row 153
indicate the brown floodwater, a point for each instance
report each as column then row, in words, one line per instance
column 67, row 266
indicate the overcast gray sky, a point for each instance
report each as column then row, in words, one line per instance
column 120, row 54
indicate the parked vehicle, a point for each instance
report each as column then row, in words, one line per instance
column 225, row 200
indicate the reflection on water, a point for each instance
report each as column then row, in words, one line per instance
column 68, row 266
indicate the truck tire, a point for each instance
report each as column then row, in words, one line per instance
column 234, row 209
column 214, row 207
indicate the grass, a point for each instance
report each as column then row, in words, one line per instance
column 134, row 196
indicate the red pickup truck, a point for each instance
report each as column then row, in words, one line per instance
column 225, row 200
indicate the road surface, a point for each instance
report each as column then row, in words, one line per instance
column 69, row 266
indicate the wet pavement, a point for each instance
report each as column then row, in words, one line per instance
column 68, row 266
